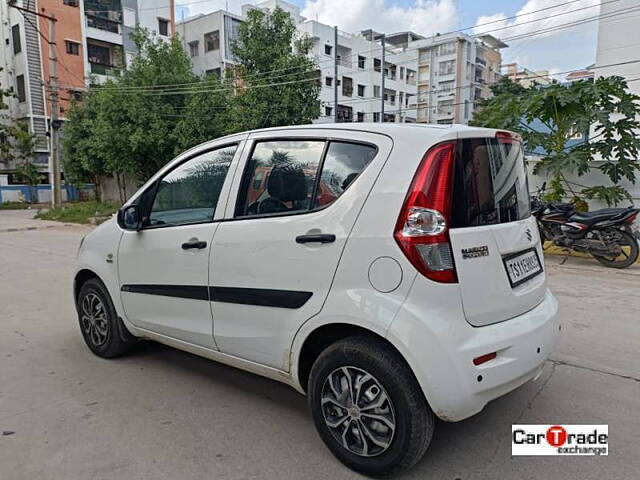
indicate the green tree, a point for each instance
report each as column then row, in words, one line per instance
column 278, row 84
column 17, row 144
column 604, row 107
column 126, row 127
column 79, row 162
column 205, row 115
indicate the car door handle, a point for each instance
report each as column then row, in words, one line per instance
column 316, row 237
column 194, row 243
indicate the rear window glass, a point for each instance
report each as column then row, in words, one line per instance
column 490, row 183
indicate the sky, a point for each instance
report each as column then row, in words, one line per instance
column 557, row 51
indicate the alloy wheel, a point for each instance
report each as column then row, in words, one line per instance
column 94, row 319
column 358, row 411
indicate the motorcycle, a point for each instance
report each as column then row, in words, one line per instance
column 606, row 234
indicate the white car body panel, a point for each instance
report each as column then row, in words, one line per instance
column 430, row 324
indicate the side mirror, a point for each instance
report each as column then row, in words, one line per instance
column 129, row 218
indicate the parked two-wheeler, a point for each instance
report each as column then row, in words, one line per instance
column 606, row 234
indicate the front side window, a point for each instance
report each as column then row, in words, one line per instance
column 280, row 177
column 342, row 164
column 189, row 193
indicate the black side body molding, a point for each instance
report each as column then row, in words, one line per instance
column 262, row 297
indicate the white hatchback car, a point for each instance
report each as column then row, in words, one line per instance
column 393, row 273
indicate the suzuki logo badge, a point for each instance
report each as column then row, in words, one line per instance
column 529, row 235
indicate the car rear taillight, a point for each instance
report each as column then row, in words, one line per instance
column 422, row 227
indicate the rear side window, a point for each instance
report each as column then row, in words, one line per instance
column 342, row 164
column 490, row 183
column 280, row 177
column 292, row 176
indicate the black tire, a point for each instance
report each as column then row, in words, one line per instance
column 627, row 240
column 414, row 420
column 102, row 330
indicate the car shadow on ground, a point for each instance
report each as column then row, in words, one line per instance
column 486, row 435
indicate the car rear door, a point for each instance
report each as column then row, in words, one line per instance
column 274, row 257
column 495, row 241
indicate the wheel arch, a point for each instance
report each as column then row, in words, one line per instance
column 81, row 277
column 323, row 336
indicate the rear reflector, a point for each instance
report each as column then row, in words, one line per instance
column 484, row 358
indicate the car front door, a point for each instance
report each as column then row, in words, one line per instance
column 289, row 216
column 163, row 269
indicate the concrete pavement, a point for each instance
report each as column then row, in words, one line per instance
column 163, row 414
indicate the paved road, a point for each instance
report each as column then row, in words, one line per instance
column 164, row 414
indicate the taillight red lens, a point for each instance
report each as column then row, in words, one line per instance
column 422, row 227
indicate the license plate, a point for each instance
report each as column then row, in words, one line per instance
column 522, row 266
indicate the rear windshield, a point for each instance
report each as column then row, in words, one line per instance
column 490, row 183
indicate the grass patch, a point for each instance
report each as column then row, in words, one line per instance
column 15, row 206
column 78, row 212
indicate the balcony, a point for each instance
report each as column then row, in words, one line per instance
column 107, row 70
column 103, row 24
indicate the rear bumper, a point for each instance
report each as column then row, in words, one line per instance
column 441, row 352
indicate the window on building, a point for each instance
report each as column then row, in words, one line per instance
column 447, row 48
column 411, row 77
column 99, row 54
column 288, row 168
column 347, row 86
column 190, row 192
column 22, row 94
column 362, row 61
column 445, row 107
column 360, row 117
column 214, row 71
column 466, row 109
column 194, row 48
column 377, row 64
column 328, row 111
column 376, row 116
column 361, row 90
column 401, row 73
column 446, row 87
column 328, row 49
column 447, row 68
column 212, row 41
column 344, row 113
column 163, row 27
column 71, row 3
column 328, row 81
column 15, row 36
column 73, row 48
column 400, row 97
column 376, row 91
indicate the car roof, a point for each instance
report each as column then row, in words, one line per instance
column 388, row 128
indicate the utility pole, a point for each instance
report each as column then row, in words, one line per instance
column 56, row 196
column 335, row 73
column 383, row 43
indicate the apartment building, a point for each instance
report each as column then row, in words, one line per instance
column 92, row 44
column 524, row 76
column 454, row 72
column 208, row 40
